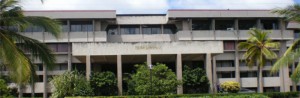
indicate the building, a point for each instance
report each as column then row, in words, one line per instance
column 98, row 40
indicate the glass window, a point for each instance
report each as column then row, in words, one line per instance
column 269, row 24
column 227, row 63
column 39, row 67
column 224, row 24
column 247, row 24
column 296, row 34
column 248, row 74
column 61, row 47
column 170, row 29
column 130, row 29
column 151, row 29
column 79, row 26
column 64, row 26
column 230, row 74
column 201, row 24
column 229, row 45
column 268, row 74
column 112, row 30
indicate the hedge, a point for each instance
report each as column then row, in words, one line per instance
column 237, row 95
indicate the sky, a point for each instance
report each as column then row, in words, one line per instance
column 152, row 6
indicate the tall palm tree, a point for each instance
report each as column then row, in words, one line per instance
column 258, row 51
column 13, row 44
column 291, row 13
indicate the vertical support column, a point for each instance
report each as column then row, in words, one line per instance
column 215, row 78
column 69, row 56
column 45, row 95
column 119, row 74
column 88, row 67
column 209, row 71
column 213, row 27
column 179, row 72
column 237, row 63
column 284, row 72
column 149, row 60
column 258, row 23
column 294, row 85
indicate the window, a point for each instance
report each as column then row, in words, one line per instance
column 65, row 27
column 242, row 63
column 112, row 30
column 61, row 47
column 151, row 29
column 34, row 29
column 229, row 45
column 247, row 24
column 296, row 34
column 170, row 29
column 130, row 29
column 201, row 25
column 271, row 89
column 230, row 74
column 61, row 67
column 268, row 74
column 229, row 63
column 224, row 24
column 39, row 67
column 79, row 26
column 270, row 24
column 248, row 74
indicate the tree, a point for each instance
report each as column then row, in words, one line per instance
column 195, row 80
column 5, row 91
column 104, row 83
column 71, row 83
column 291, row 13
column 258, row 51
column 163, row 80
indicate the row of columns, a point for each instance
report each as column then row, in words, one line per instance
column 149, row 62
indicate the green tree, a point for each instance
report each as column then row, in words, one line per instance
column 291, row 13
column 104, row 83
column 5, row 91
column 12, row 43
column 195, row 80
column 71, row 83
column 258, row 51
column 163, row 80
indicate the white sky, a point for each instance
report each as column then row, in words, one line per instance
column 151, row 6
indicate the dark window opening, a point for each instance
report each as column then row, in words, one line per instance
column 225, row 63
column 248, row 74
column 201, row 25
column 271, row 89
column 270, row 24
column 269, row 74
column 296, row 34
column 151, row 29
column 61, row 47
column 34, row 29
column 230, row 74
column 79, row 26
column 224, row 25
column 170, row 29
column 130, row 29
column 229, row 45
column 112, row 30
column 247, row 24
column 64, row 26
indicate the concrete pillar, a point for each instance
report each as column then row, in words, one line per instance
column 119, row 74
column 294, row 85
column 215, row 78
column 179, row 72
column 69, row 56
column 88, row 67
column 237, row 63
column 45, row 95
column 209, row 71
column 213, row 27
column 284, row 72
column 149, row 60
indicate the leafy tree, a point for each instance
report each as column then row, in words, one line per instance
column 291, row 13
column 5, row 91
column 71, row 83
column 163, row 80
column 11, row 54
column 104, row 83
column 258, row 51
column 195, row 80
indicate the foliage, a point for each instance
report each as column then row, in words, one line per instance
column 71, row 83
column 5, row 91
column 258, row 51
column 291, row 13
column 163, row 80
column 104, row 83
column 231, row 86
column 11, row 54
column 195, row 80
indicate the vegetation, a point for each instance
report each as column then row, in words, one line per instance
column 258, row 51
column 231, row 86
column 163, row 80
column 104, row 83
column 195, row 80
column 291, row 13
column 5, row 91
column 71, row 83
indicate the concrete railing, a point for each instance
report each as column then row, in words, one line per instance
column 141, row 38
column 39, row 87
column 225, row 69
column 267, row 82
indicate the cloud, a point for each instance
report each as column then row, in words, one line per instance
column 151, row 6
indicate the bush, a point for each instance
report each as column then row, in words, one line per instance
column 71, row 83
column 231, row 86
column 5, row 92
column 195, row 80
column 104, row 83
column 164, row 81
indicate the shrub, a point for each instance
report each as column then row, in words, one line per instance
column 195, row 80
column 5, row 92
column 164, row 81
column 71, row 83
column 231, row 86
column 104, row 83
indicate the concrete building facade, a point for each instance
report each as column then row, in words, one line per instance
column 99, row 40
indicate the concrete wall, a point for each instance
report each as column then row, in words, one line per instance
column 141, row 38
column 73, row 14
column 141, row 20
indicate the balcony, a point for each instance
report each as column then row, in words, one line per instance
column 267, row 82
column 141, row 38
column 39, row 87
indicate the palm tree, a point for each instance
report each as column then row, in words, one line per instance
column 291, row 13
column 13, row 44
column 258, row 51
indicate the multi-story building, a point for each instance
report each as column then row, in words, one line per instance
column 100, row 40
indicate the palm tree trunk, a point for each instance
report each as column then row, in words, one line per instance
column 259, row 79
column 20, row 91
column 32, row 88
